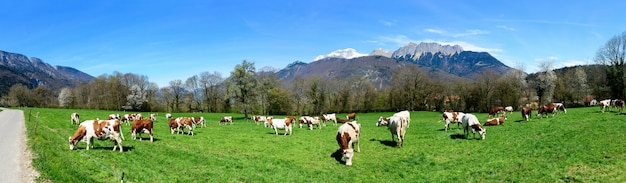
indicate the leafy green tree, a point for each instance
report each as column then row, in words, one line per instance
column 244, row 82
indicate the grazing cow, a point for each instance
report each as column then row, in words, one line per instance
column 604, row 103
column 168, row 115
column 153, row 117
column 266, row 123
column 198, row 121
column 259, row 119
column 185, row 123
column 285, row 123
column 526, row 112
column 560, row 107
column 75, row 118
column 495, row 121
column 396, row 126
column 339, row 120
column 619, row 104
column 347, row 136
column 470, row 121
column 114, row 116
column 314, row 121
column 351, row 116
column 494, row 111
column 226, row 119
column 450, row 117
column 329, row 117
column 509, row 109
column 142, row 126
column 303, row 120
column 173, row 125
column 405, row 116
column 127, row 118
column 99, row 129
column 546, row 109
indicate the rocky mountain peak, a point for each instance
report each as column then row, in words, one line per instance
column 415, row 51
column 347, row 53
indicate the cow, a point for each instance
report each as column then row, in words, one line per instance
column 509, row 109
column 495, row 121
column 545, row 109
column 259, row 119
column 266, row 123
column 494, row 111
column 198, row 121
column 173, row 124
column 226, row 119
column 450, row 117
column 114, row 116
column 604, row 103
column 168, row 115
column 560, row 107
column 314, row 121
column 286, row 123
column 138, row 117
column 75, row 118
column 153, row 117
column 127, row 118
column 347, row 137
column 329, row 117
column 351, row 116
column 470, row 121
column 396, row 126
column 619, row 104
column 404, row 116
column 142, row 126
column 342, row 121
column 98, row 129
column 183, row 123
column 526, row 112
column 303, row 120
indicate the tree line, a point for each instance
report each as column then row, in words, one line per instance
column 249, row 92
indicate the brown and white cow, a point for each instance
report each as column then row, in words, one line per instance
column 495, row 121
column 509, row 109
column 114, row 116
column 311, row 121
column 98, row 129
column 127, row 118
column 619, row 104
column 142, row 126
column 75, row 118
column 347, row 137
column 396, row 126
column 451, row 117
column 526, row 112
column 494, row 111
column 153, row 117
column 198, row 121
column 286, row 123
column 351, row 116
column 604, row 104
column 405, row 116
column 259, row 119
column 470, row 121
column 546, row 109
column 173, row 124
column 329, row 117
column 226, row 119
column 560, row 107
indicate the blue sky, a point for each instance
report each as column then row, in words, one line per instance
column 169, row 40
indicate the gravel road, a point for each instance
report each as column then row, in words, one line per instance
column 15, row 158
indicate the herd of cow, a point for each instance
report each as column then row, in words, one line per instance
column 347, row 134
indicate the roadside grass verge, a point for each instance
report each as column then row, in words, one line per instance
column 583, row 145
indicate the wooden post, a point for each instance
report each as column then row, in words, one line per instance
column 36, row 121
column 29, row 113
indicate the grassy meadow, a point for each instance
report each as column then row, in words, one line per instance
column 583, row 145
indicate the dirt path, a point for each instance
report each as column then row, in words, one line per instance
column 15, row 158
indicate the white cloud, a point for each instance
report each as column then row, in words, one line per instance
column 470, row 33
column 436, row 31
column 388, row 23
column 506, row 27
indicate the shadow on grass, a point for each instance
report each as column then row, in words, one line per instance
column 147, row 139
column 338, row 155
column 457, row 136
column 389, row 143
column 108, row 148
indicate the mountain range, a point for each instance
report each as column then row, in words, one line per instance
column 32, row 72
column 439, row 62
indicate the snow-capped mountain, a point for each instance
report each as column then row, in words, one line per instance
column 347, row 53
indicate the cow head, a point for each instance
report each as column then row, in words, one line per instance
column 72, row 143
column 480, row 129
column 382, row 121
column 347, row 156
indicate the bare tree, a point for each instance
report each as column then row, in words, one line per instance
column 210, row 84
column 20, row 96
column 176, row 92
column 194, row 94
column 613, row 55
column 546, row 82
column 66, row 98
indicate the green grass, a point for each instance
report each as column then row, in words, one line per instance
column 580, row 146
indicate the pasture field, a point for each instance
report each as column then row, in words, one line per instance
column 583, row 145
